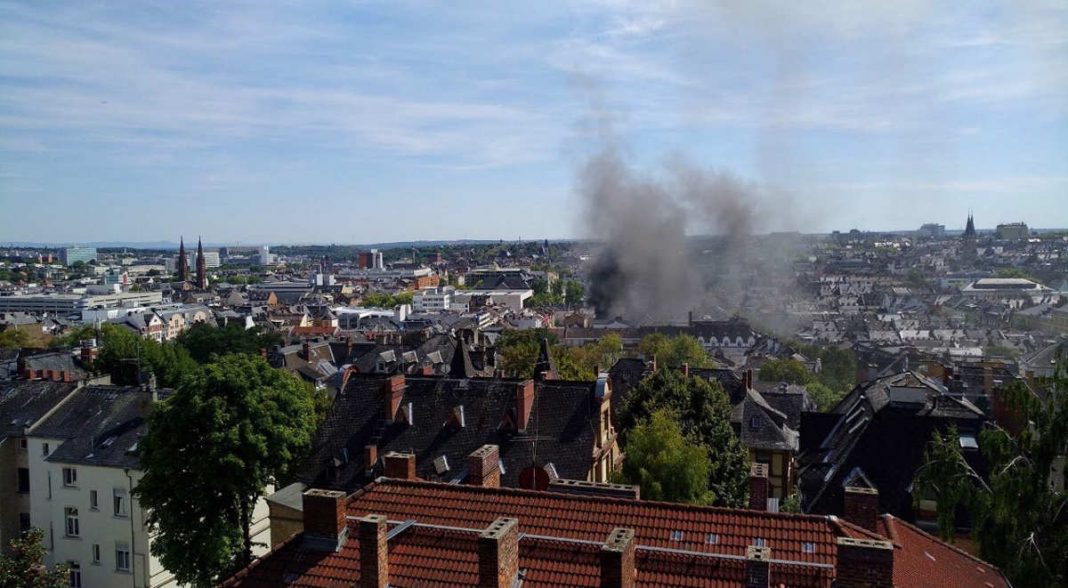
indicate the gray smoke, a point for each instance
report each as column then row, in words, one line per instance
column 648, row 270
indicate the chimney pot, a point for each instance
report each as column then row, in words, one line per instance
column 758, row 487
column 374, row 552
column 864, row 563
column 617, row 559
column 757, row 567
column 498, row 554
column 861, row 506
column 524, row 403
column 325, row 527
column 399, row 465
column 484, row 467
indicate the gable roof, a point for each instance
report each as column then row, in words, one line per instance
column 560, row 538
column 100, row 425
column 24, row 402
column 562, row 428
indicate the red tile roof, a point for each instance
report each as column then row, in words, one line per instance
column 561, row 537
column 922, row 560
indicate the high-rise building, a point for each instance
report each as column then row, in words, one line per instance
column 265, row 255
column 1013, row 231
column 69, row 255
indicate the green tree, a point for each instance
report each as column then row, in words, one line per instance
column 664, row 463
column 824, row 397
column 574, row 293
column 23, row 566
column 1019, row 517
column 14, row 338
column 838, row 369
column 211, row 450
column 123, row 350
column 675, row 351
column 703, row 411
column 204, row 341
column 790, row 371
column 519, row 348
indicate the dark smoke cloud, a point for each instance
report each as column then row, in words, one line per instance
column 646, row 271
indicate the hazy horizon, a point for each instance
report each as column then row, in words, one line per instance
column 328, row 122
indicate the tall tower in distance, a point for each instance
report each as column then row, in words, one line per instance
column 968, row 241
column 183, row 261
column 202, row 270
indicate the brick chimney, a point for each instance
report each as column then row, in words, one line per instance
column 484, row 467
column 498, row 554
column 757, row 567
column 374, row 552
column 524, row 403
column 370, row 456
column 325, row 527
column 861, row 506
column 399, row 465
column 392, row 392
column 758, row 487
column 617, row 559
column 864, row 563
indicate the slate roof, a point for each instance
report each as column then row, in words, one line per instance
column 882, row 430
column 561, row 536
column 760, row 426
column 562, row 429
column 61, row 361
column 100, row 426
column 24, row 402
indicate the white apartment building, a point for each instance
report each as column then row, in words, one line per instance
column 433, row 299
column 83, row 468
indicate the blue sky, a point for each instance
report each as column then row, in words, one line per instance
column 377, row 121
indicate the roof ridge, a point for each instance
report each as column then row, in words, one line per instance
column 256, row 560
column 382, row 481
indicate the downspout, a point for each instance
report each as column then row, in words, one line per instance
column 133, row 542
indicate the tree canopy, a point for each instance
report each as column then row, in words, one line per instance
column 24, row 566
column 675, row 351
column 211, row 450
column 1019, row 512
column 665, row 464
column 790, row 371
column 122, row 351
column 203, row 341
column 703, row 412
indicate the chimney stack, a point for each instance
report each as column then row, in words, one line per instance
column 399, row 465
column 861, row 506
column 374, row 552
column 524, row 403
column 392, row 392
column 484, row 467
column 758, row 487
column 325, row 527
column 757, row 567
column 617, row 559
column 864, row 563
column 498, row 554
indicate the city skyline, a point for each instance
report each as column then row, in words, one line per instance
column 298, row 124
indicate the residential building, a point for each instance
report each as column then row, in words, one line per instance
column 1013, row 231
column 399, row 531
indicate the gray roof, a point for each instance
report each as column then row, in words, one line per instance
column 101, row 426
column 23, row 403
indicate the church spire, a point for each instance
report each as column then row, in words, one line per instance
column 183, row 261
column 202, row 270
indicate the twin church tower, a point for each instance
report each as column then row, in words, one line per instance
column 183, row 265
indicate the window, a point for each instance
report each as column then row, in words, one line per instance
column 760, row 542
column 712, row 539
column 75, row 574
column 96, row 553
column 808, row 547
column 122, row 503
column 44, row 450
column 676, row 535
column 122, row 557
column 71, row 515
column 755, row 423
column 24, row 522
column 93, row 504
column 70, row 477
column 24, row 480
column 23, row 443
